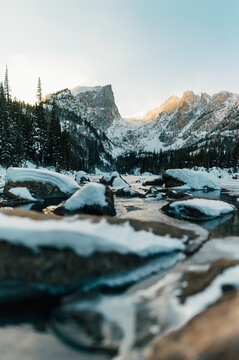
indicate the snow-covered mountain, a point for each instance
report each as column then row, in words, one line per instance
column 177, row 123
column 95, row 104
column 85, row 113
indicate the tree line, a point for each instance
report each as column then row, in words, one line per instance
column 219, row 152
column 46, row 135
column 31, row 132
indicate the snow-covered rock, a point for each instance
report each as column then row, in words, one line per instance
column 95, row 199
column 21, row 193
column 115, row 180
column 154, row 194
column 50, row 254
column 42, row 184
column 119, row 182
column 198, row 209
column 85, row 237
column 82, row 177
column 189, row 179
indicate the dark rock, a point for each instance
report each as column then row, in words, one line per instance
column 154, row 182
column 198, row 281
column 129, row 193
column 152, row 191
column 170, row 181
column 59, row 269
column 37, row 189
column 175, row 195
column 109, row 180
column 187, row 213
column 227, row 287
column 82, row 177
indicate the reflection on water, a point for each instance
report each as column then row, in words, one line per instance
column 22, row 342
column 207, row 194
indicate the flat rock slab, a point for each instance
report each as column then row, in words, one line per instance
column 211, row 335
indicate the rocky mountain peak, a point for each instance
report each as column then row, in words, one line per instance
column 171, row 104
column 223, row 97
column 95, row 104
column 188, row 99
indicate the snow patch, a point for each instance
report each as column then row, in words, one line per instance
column 22, row 192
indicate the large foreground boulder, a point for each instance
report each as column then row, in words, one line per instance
column 42, row 184
column 65, row 253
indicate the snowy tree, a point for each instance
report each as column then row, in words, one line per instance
column 39, row 91
column 7, row 87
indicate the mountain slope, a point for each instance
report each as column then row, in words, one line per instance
column 95, row 104
column 78, row 110
column 178, row 123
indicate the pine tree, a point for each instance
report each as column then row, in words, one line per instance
column 2, row 112
column 235, row 156
column 40, row 128
column 39, row 91
column 7, row 87
column 54, row 153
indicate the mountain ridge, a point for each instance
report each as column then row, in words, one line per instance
column 178, row 122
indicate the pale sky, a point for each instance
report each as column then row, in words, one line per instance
column 147, row 49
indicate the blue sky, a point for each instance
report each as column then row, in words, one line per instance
column 147, row 49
